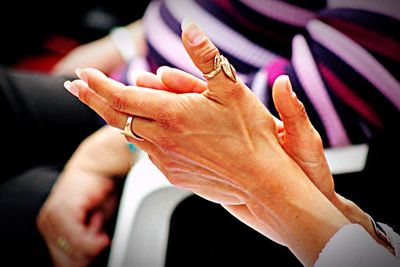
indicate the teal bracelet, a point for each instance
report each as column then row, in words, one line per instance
column 132, row 147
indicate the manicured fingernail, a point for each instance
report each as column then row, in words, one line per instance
column 71, row 88
column 160, row 71
column 133, row 76
column 290, row 88
column 79, row 72
column 192, row 32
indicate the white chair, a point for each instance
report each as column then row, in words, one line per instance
column 148, row 201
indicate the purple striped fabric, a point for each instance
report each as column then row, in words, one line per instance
column 389, row 8
column 275, row 69
column 281, row 11
column 165, row 41
column 222, row 35
column 358, row 58
column 342, row 48
column 259, row 85
column 313, row 85
column 371, row 40
column 349, row 97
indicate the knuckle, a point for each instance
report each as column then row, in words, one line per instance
column 207, row 53
column 111, row 118
column 169, row 121
column 178, row 180
column 235, row 92
column 91, row 252
column 167, row 145
column 41, row 221
column 52, row 215
column 302, row 111
column 317, row 140
column 84, row 96
column 118, row 100
column 171, row 166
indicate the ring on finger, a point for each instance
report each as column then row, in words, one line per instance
column 221, row 63
column 127, row 131
column 63, row 244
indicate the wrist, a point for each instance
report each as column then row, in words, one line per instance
column 351, row 211
column 282, row 205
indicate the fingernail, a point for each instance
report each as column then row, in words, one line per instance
column 289, row 87
column 160, row 71
column 79, row 72
column 192, row 32
column 133, row 76
column 71, row 88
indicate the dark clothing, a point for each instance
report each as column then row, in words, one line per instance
column 42, row 125
column 29, row 25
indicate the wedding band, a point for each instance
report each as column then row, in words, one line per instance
column 63, row 244
column 127, row 131
column 221, row 63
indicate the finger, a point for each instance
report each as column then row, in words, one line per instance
column 93, row 238
column 149, row 80
column 179, row 81
column 92, row 245
column 138, row 101
column 301, row 141
column 99, row 82
column 170, row 79
column 159, row 136
column 278, row 124
column 202, row 52
column 72, row 232
column 97, row 103
column 96, row 222
column 291, row 110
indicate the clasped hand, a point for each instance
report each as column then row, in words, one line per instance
column 219, row 141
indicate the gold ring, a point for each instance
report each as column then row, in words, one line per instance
column 127, row 131
column 221, row 62
column 63, row 244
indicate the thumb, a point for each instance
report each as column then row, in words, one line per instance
column 203, row 52
column 291, row 110
column 301, row 140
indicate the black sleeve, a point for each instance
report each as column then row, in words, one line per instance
column 41, row 122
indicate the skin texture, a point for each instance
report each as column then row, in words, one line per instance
column 220, row 144
column 83, row 199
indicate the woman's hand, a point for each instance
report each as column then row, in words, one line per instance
column 223, row 145
column 296, row 134
column 83, row 199
column 172, row 124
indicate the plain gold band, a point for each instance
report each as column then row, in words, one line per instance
column 127, row 131
column 63, row 244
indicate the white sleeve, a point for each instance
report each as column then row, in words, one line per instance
column 394, row 239
column 352, row 246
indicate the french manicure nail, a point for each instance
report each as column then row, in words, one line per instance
column 133, row 76
column 290, row 88
column 192, row 32
column 81, row 75
column 71, row 88
column 160, row 71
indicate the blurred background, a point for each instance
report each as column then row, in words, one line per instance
column 36, row 34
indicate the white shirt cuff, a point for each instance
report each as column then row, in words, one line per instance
column 353, row 246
